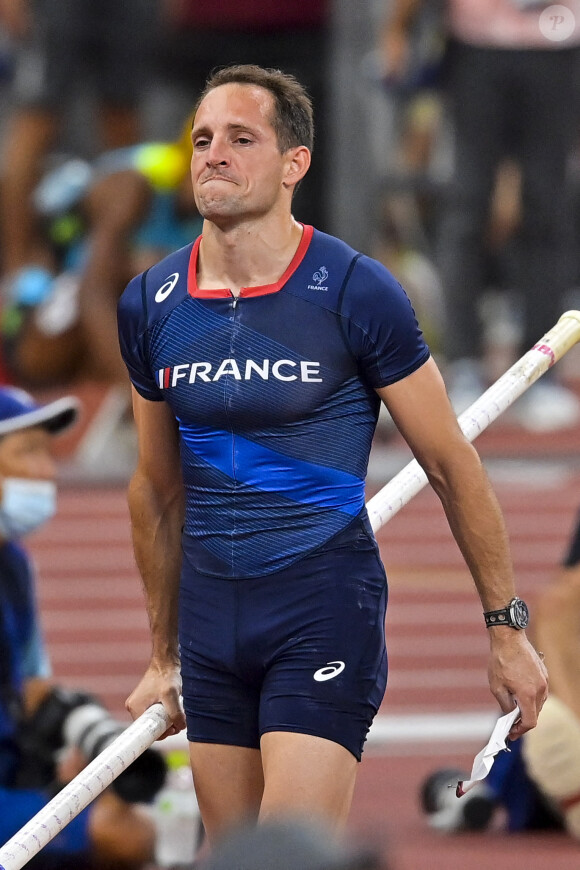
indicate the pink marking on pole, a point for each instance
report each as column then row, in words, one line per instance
column 547, row 351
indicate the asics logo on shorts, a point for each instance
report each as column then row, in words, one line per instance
column 330, row 670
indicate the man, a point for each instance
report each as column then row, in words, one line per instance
column 510, row 82
column 33, row 710
column 258, row 403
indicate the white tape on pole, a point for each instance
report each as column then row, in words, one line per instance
column 510, row 386
column 84, row 788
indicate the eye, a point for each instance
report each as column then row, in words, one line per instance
column 201, row 142
column 243, row 140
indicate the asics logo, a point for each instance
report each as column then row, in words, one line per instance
column 330, row 670
column 167, row 287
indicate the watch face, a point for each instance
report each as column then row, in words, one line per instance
column 519, row 613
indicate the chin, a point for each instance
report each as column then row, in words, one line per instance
column 219, row 210
column 210, row 203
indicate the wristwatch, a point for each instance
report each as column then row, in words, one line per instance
column 516, row 615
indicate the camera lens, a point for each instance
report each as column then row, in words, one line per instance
column 92, row 729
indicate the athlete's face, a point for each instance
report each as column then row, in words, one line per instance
column 237, row 168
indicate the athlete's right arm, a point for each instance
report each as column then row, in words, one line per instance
column 156, row 507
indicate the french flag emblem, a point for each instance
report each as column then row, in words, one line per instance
column 163, row 376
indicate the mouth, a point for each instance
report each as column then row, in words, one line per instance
column 217, row 178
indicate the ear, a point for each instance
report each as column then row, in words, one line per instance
column 296, row 166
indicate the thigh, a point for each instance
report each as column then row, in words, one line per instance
column 221, row 702
column 478, row 108
column 307, row 776
column 228, row 785
column 547, row 101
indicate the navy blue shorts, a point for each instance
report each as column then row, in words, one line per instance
column 301, row 650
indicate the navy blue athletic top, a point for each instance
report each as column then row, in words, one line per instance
column 274, row 393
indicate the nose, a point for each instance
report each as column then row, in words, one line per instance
column 217, row 153
column 46, row 466
column 42, row 465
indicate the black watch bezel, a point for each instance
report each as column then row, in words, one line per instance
column 515, row 615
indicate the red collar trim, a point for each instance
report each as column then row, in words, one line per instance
column 220, row 293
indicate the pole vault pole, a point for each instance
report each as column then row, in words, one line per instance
column 84, row 788
column 549, row 349
column 139, row 736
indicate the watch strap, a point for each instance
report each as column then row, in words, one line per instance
column 498, row 617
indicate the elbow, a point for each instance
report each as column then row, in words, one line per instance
column 458, row 468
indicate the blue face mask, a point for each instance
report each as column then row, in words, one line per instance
column 25, row 506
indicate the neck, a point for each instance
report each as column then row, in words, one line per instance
column 246, row 255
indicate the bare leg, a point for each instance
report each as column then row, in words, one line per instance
column 557, row 635
column 307, row 776
column 302, row 775
column 228, row 783
column 120, row 126
column 115, row 206
column 28, row 140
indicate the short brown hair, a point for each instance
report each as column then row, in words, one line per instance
column 293, row 116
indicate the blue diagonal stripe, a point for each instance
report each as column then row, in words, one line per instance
column 261, row 468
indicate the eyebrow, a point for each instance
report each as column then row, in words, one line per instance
column 205, row 131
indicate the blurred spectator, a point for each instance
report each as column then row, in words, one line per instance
column 41, row 748
column 553, row 755
column 102, row 223
column 536, row 783
column 288, row 845
column 61, row 46
column 511, row 84
column 293, row 37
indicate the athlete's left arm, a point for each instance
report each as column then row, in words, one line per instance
column 423, row 414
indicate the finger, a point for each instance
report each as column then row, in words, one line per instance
column 174, row 710
column 505, row 699
column 515, row 731
column 171, row 700
column 131, row 708
column 169, row 733
column 529, row 709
